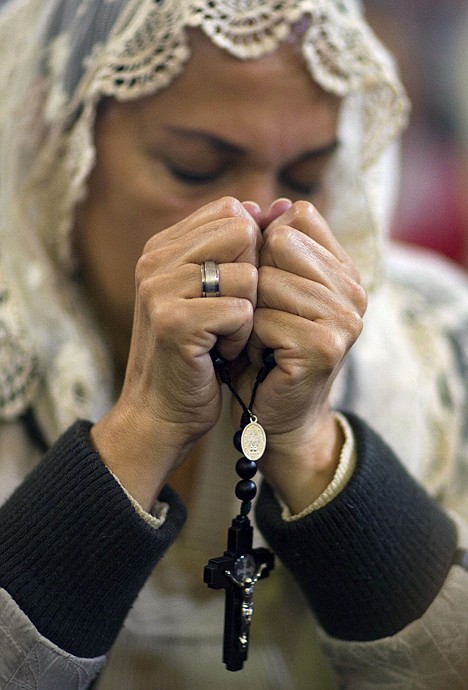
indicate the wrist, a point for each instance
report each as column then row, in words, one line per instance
column 300, row 466
column 344, row 472
column 140, row 453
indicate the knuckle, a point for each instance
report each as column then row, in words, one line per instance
column 246, row 229
column 142, row 270
column 361, row 300
column 244, row 309
column 333, row 347
column 355, row 325
column 165, row 319
column 250, row 274
column 358, row 297
column 266, row 277
column 347, row 327
column 146, row 293
column 231, row 206
column 240, row 229
column 279, row 238
column 303, row 208
column 249, row 310
column 335, row 342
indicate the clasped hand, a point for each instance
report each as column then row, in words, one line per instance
column 285, row 284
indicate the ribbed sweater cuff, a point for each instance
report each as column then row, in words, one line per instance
column 73, row 552
column 373, row 559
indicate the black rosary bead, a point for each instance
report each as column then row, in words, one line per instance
column 246, row 468
column 269, row 363
column 236, row 439
column 246, row 490
column 220, row 364
column 218, row 361
column 269, row 359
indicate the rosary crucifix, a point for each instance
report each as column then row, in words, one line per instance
column 241, row 566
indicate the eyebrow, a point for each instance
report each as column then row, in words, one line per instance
column 212, row 139
column 319, row 152
column 228, row 147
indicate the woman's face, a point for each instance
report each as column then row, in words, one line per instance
column 253, row 130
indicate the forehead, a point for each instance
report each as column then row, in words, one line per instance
column 273, row 95
column 286, row 61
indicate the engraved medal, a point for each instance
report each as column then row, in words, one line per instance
column 253, row 440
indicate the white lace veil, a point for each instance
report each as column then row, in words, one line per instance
column 59, row 57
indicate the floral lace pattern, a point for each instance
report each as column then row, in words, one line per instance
column 18, row 365
column 150, row 46
column 342, row 53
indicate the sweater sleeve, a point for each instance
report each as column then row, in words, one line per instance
column 74, row 553
column 371, row 561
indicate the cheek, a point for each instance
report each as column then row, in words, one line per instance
column 106, row 269
column 320, row 202
column 127, row 203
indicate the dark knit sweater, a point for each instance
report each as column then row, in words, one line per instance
column 74, row 553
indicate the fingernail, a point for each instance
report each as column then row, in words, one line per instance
column 283, row 201
column 251, row 206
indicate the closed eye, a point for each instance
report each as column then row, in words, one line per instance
column 306, row 189
column 194, row 177
column 305, row 175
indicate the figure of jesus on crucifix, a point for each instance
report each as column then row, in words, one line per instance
column 247, row 585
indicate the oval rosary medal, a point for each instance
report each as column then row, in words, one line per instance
column 253, row 440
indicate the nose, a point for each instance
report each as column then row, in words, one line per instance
column 261, row 188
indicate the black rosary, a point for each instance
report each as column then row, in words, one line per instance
column 241, row 566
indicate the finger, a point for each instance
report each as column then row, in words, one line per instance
column 290, row 260
column 222, row 230
column 235, row 280
column 263, row 219
column 284, row 292
column 197, row 325
column 254, row 210
column 308, row 303
column 225, row 207
column 303, row 216
column 317, row 345
column 224, row 241
column 185, row 282
column 277, row 208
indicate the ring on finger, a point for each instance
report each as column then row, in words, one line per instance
column 210, row 278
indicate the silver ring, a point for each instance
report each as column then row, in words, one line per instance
column 210, row 279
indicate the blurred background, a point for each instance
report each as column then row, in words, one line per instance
column 430, row 40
